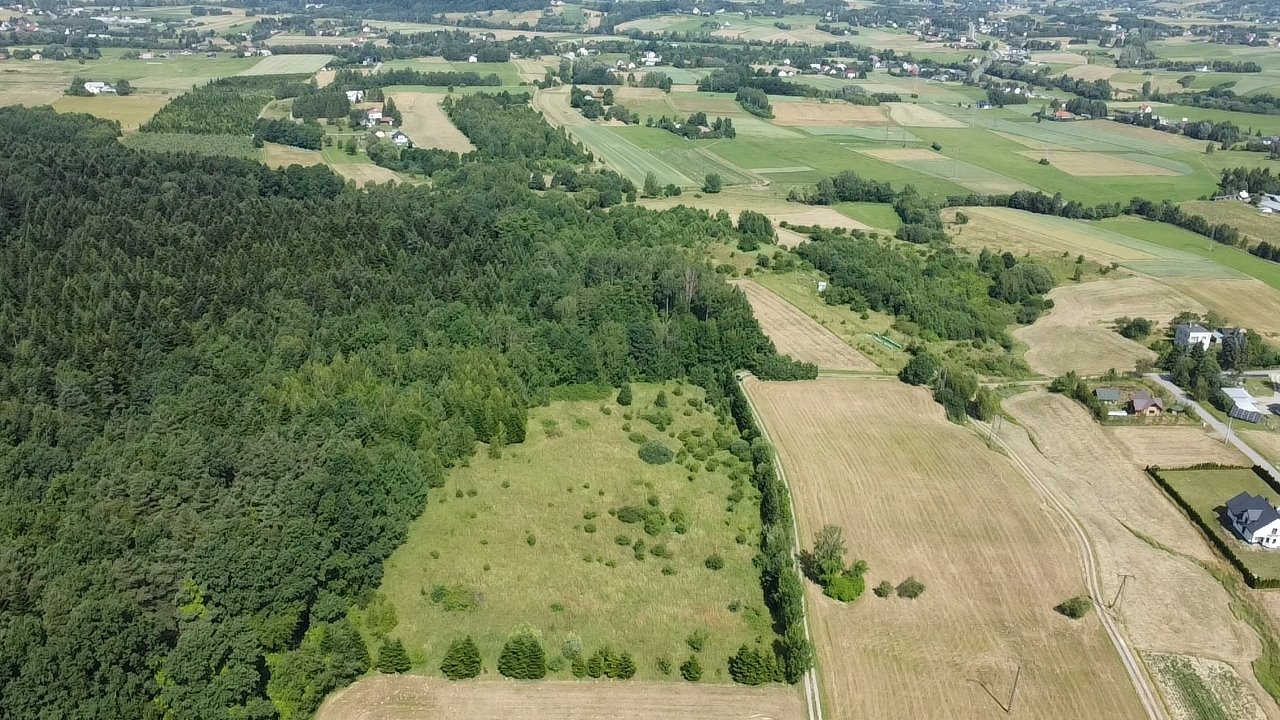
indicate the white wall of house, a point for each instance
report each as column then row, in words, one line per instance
column 1186, row 337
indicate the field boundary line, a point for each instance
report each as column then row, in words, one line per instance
column 812, row 693
column 1142, row 683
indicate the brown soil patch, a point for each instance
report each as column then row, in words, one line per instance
column 1076, row 333
column 1089, row 164
column 1175, row 447
column 799, row 335
column 410, row 697
column 1171, row 604
column 365, row 173
column 897, row 155
column 324, row 77
column 831, row 114
column 919, row 496
column 426, row 124
column 920, row 116
column 280, row 156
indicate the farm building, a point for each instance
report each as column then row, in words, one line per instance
column 1143, row 403
column 1254, row 519
column 1269, row 203
column 1107, row 395
column 1190, row 334
column 1241, row 400
column 97, row 88
column 1063, row 116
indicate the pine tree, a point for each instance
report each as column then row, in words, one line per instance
column 624, row 395
column 626, row 667
column 651, row 186
column 522, row 656
column 462, row 661
column 691, row 669
column 579, row 667
column 754, row 666
column 392, row 657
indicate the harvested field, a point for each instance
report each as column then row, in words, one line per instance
column 289, row 64
column 1087, row 164
column 1267, row 443
column 1171, row 604
column 777, row 209
column 811, row 113
column 1028, row 142
column 324, row 77
column 1093, row 72
column 426, row 124
column 1023, row 232
column 1174, row 447
column 1076, row 334
column 897, row 155
column 130, row 111
column 412, row 697
column 799, row 335
column 1180, row 142
column 1250, row 303
column 950, row 653
column 365, row 173
column 280, row 156
column 1245, row 218
column 1061, row 57
column 920, row 116
column 789, row 238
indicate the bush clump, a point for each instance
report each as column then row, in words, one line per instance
column 910, row 588
column 1075, row 608
column 714, row 562
column 462, row 660
column 754, row 666
column 884, row 589
column 522, row 656
column 392, row 657
column 655, row 453
column 691, row 669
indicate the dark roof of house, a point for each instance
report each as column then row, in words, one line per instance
column 1143, row 400
column 1107, row 394
column 1253, row 511
column 1194, row 327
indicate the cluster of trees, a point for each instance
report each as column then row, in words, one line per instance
column 1254, row 180
column 847, row 186
column 229, row 106
column 350, row 79
column 1218, row 66
column 307, row 135
column 415, row 160
column 604, row 662
column 943, row 293
column 755, row 228
column 954, row 388
column 588, row 71
column 462, row 660
column 825, row 565
column 504, row 127
column 600, row 106
column 122, row 87
column 1221, row 98
column 1168, row 212
column 754, row 101
column 1195, row 370
column 330, row 102
column 1266, row 251
column 654, row 79
column 755, row 665
column 522, row 655
column 1225, row 132
column 1085, row 106
column 1076, row 388
column 696, row 126
column 1138, row 328
column 226, row 412
column 1044, row 77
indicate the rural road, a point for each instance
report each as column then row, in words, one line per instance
column 813, row 700
column 1146, row 693
column 1214, row 423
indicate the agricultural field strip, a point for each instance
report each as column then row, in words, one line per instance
column 289, row 65
column 798, row 335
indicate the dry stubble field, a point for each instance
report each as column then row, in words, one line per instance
column 799, row 335
column 1076, row 334
column 1171, row 604
column 410, row 697
column 426, row 124
column 917, row 495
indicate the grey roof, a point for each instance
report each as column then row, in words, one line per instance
column 1253, row 511
column 1250, row 416
column 1142, row 400
column 1194, row 327
column 1108, row 394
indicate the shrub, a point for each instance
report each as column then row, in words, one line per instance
column 664, row 665
column 659, row 550
column 697, row 640
column 589, row 528
column 668, row 570
column 754, row 666
column 910, row 588
column 637, row 437
column 714, row 562
column 1075, row 608
column 578, row 667
column 453, row 598
column 884, row 589
column 691, row 669
column 625, row 668
column 462, row 660
column 622, row 540
column 392, row 657
column 531, row 540
column 937, row 147
column 655, row 453
column 1044, row 161
column 522, row 656
column 845, row 587
column 624, row 394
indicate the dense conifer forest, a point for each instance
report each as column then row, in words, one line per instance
column 225, row 390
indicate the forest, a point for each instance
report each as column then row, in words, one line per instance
column 229, row 106
column 218, row 413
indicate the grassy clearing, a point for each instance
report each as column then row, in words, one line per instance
column 528, row 537
column 1208, row 490
column 130, row 111
column 877, row 215
column 289, row 65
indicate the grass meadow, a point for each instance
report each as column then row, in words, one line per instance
column 527, row 537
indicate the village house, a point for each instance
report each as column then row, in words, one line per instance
column 355, row 96
column 1107, row 395
column 399, row 138
column 1254, row 519
column 95, row 87
column 1189, row 334
column 1143, row 403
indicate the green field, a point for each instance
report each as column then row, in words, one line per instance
column 289, row 65
column 1208, row 490
column 507, row 72
column 877, row 215
column 1233, row 262
column 528, row 538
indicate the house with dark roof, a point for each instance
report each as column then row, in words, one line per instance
column 1143, row 403
column 1254, row 519
column 1107, row 395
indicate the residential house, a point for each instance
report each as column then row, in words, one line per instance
column 97, row 88
column 1269, row 203
column 1254, row 519
column 1189, row 334
column 399, row 138
column 1143, row 403
column 1107, row 395
column 355, row 96
column 1062, row 116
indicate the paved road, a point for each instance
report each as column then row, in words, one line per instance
column 1146, row 693
column 1214, row 423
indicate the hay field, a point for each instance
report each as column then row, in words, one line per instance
column 426, row 124
column 324, row 77
column 412, row 697
column 1171, row 604
column 364, row 173
column 1088, row 164
column 289, row 65
column 778, row 210
column 799, row 335
column 1174, row 447
column 974, row 177
column 920, row 116
column 1092, row 72
column 130, row 111
column 1267, row 443
column 1024, row 232
column 280, row 156
column 898, row 155
column 1076, row 334
column 809, row 113
column 1250, row 303
column 1243, row 217
column 558, row 488
column 917, row 495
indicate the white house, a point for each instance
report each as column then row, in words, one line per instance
column 1192, row 334
column 472, row 58
column 94, row 87
column 1255, row 520
column 1269, row 203
column 399, row 138
column 355, row 96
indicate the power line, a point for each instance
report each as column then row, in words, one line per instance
column 1124, row 578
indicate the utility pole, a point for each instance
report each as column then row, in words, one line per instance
column 1124, row 577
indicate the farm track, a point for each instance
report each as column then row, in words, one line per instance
column 1146, row 693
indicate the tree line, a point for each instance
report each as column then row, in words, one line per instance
column 228, row 106
column 224, row 412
